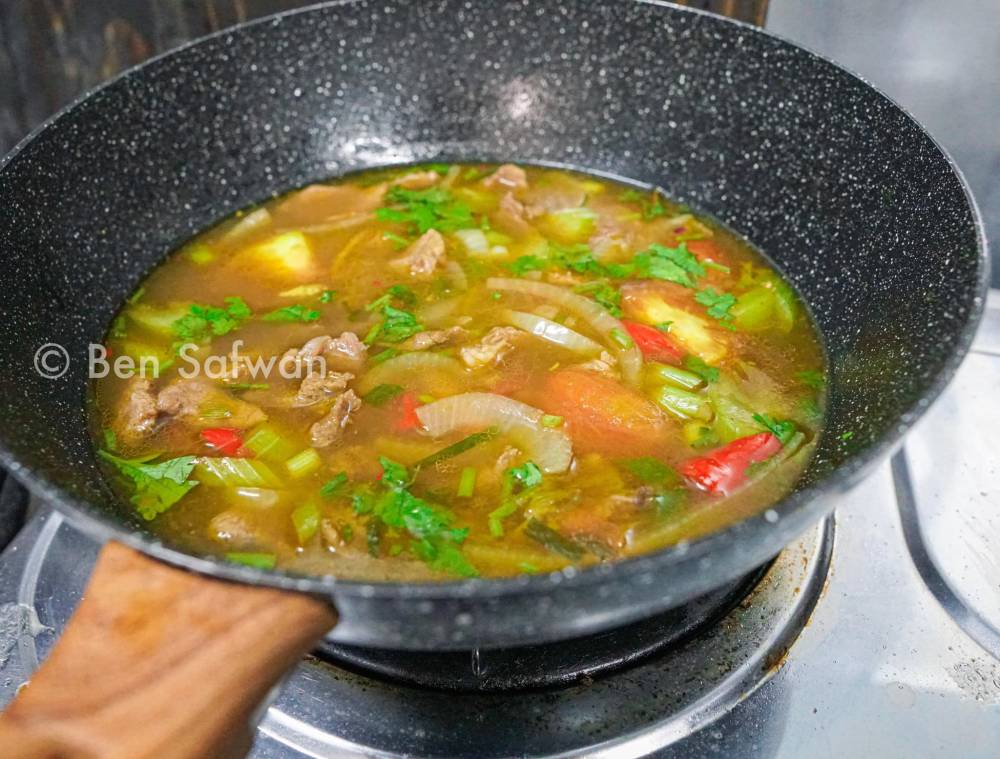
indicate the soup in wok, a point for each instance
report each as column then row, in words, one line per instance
column 446, row 371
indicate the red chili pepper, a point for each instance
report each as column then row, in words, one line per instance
column 723, row 470
column 226, row 441
column 654, row 344
column 408, row 419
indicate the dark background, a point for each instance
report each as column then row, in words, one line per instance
column 939, row 60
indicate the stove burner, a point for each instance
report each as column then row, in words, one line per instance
column 547, row 665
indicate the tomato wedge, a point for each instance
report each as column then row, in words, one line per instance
column 602, row 415
column 655, row 345
column 724, row 470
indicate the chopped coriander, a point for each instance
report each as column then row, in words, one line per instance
column 432, row 208
column 382, row 394
column 718, row 304
column 528, row 475
column 605, row 294
column 296, row 313
column 663, row 326
column 201, row 323
column 496, row 295
column 783, row 430
column 327, row 296
column 157, row 486
column 524, row 264
column 697, row 365
column 334, row 486
column 677, row 265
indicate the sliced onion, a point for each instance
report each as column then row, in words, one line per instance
column 258, row 498
column 457, row 274
column 629, row 358
column 402, row 370
column 553, row 332
column 549, row 448
column 437, row 314
column 252, row 222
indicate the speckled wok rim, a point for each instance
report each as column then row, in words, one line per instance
column 792, row 512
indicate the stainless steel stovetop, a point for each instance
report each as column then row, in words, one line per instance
column 876, row 634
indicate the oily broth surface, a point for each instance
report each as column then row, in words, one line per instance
column 600, row 506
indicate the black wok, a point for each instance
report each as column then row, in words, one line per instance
column 850, row 197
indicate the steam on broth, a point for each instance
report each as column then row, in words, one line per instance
column 451, row 371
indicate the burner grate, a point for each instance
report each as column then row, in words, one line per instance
column 548, row 665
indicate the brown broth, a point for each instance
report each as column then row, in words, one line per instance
column 326, row 255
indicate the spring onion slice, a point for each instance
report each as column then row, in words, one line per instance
column 628, row 355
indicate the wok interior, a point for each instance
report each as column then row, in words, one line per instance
column 850, row 198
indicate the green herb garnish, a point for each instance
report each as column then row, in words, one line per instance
column 201, row 323
column 296, row 313
column 783, row 430
column 433, row 208
column 649, row 202
column 157, row 486
column 698, row 366
column 334, row 486
column 382, row 394
column 717, row 304
column 677, row 265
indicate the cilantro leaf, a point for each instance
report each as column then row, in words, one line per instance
column 604, row 293
column 524, row 264
column 296, row 313
column 201, row 323
column 783, row 430
column 334, row 486
column 698, row 366
column 157, row 486
column 432, row 208
column 528, row 475
column 718, row 304
column 677, row 265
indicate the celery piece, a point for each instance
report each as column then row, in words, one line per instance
column 231, row 472
column 305, row 519
column 732, row 419
column 754, row 310
column 675, row 376
column 683, row 404
column 267, row 443
column 467, row 482
column 255, row 560
column 304, row 463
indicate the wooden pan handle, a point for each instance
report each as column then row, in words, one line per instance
column 160, row 662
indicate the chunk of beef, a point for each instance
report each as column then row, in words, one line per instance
column 496, row 344
column 423, row 256
column 136, row 415
column 321, row 387
column 509, row 177
column 346, row 351
column 511, row 216
column 424, row 340
column 201, row 405
column 330, row 428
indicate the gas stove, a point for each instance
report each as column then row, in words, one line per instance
column 877, row 633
